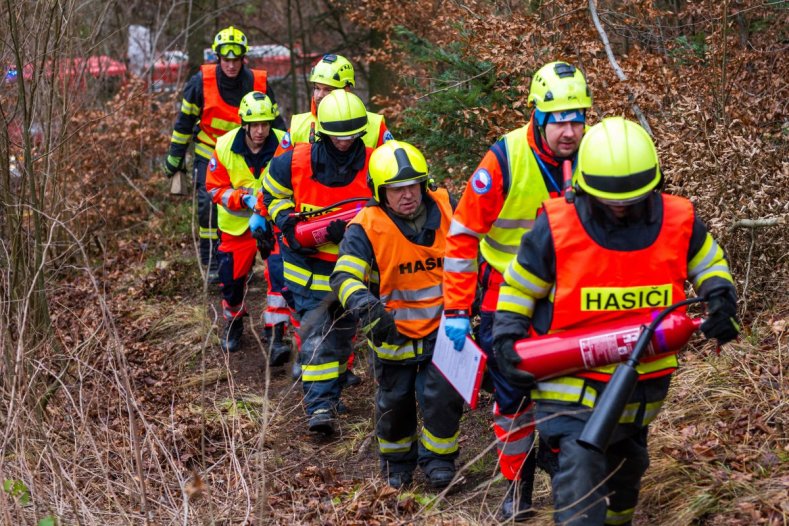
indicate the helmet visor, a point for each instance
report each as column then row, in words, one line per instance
column 623, row 202
column 349, row 137
column 231, row 50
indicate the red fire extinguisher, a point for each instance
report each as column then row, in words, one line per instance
column 570, row 351
column 313, row 232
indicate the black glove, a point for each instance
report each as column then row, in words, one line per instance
column 173, row 165
column 336, row 230
column 289, row 231
column 721, row 322
column 265, row 241
column 507, row 360
column 383, row 326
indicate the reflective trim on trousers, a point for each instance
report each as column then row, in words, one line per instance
column 276, row 301
column 318, row 373
column 233, row 311
column 438, row 445
column 208, row 233
column 273, row 318
column 403, row 445
column 615, row 518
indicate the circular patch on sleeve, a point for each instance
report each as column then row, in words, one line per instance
column 388, row 136
column 481, row 182
column 285, row 142
column 212, row 164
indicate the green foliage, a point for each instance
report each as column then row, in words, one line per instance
column 17, row 490
column 449, row 121
column 690, row 48
column 49, row 520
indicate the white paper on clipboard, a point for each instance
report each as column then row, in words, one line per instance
column 463, row 369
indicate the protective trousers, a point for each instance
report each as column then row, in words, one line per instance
column 584, row 479
column 206, row 216
column 580, row 484
column 400, row 387
column 235, row 255
column 277, row 310
column 513, row 413
column 326, row 342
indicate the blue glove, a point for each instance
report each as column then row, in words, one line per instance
column 257, row 222
column 250, row 201
column 457, row 329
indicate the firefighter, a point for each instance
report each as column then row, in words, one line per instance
column 331, row 73
column 620, row 235
column 233, row 179
column 208, row 110
column 400, row 236
column 499, row 204
column 309, row 177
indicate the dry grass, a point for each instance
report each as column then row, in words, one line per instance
column 720, row 448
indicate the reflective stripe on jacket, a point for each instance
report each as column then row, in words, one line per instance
column 410, row 274
column 218, row 116
column 595, row 285
column 236, row 221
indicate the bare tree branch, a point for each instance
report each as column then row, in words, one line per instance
column 618, row 70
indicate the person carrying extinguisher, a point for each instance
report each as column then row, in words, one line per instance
column 233, row 179
column 331, row 72
column 209, row 109
column 311, row 177
column 400, row 237
column 619, row 237
column 499, row 204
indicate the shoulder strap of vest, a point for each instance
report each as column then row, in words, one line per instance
column 500, row 151
column 260, row 79
column 209, row 72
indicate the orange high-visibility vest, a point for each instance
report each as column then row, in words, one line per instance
column 309, row 194
column 596, row 285
column 218, row 117
column 410, row 274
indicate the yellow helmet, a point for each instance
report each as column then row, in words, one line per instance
column 618, row 162
column 257, row 107
column 230, row 43
column 342, row 114
column 393, row 164
column 333, row 70
column 559, row 86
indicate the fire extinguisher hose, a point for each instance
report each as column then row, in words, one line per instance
column 608, row 410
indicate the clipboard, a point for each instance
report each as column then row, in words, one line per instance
column 462, row 369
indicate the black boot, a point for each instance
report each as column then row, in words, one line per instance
column 208, row 258
column 351, row 379
column 279, row 351
column 517, row 502
column 439, row 473
column 322, row 422
column 230, row 341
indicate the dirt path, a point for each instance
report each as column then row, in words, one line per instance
column 350, row 459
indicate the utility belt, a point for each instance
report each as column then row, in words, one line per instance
column 556, row 394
